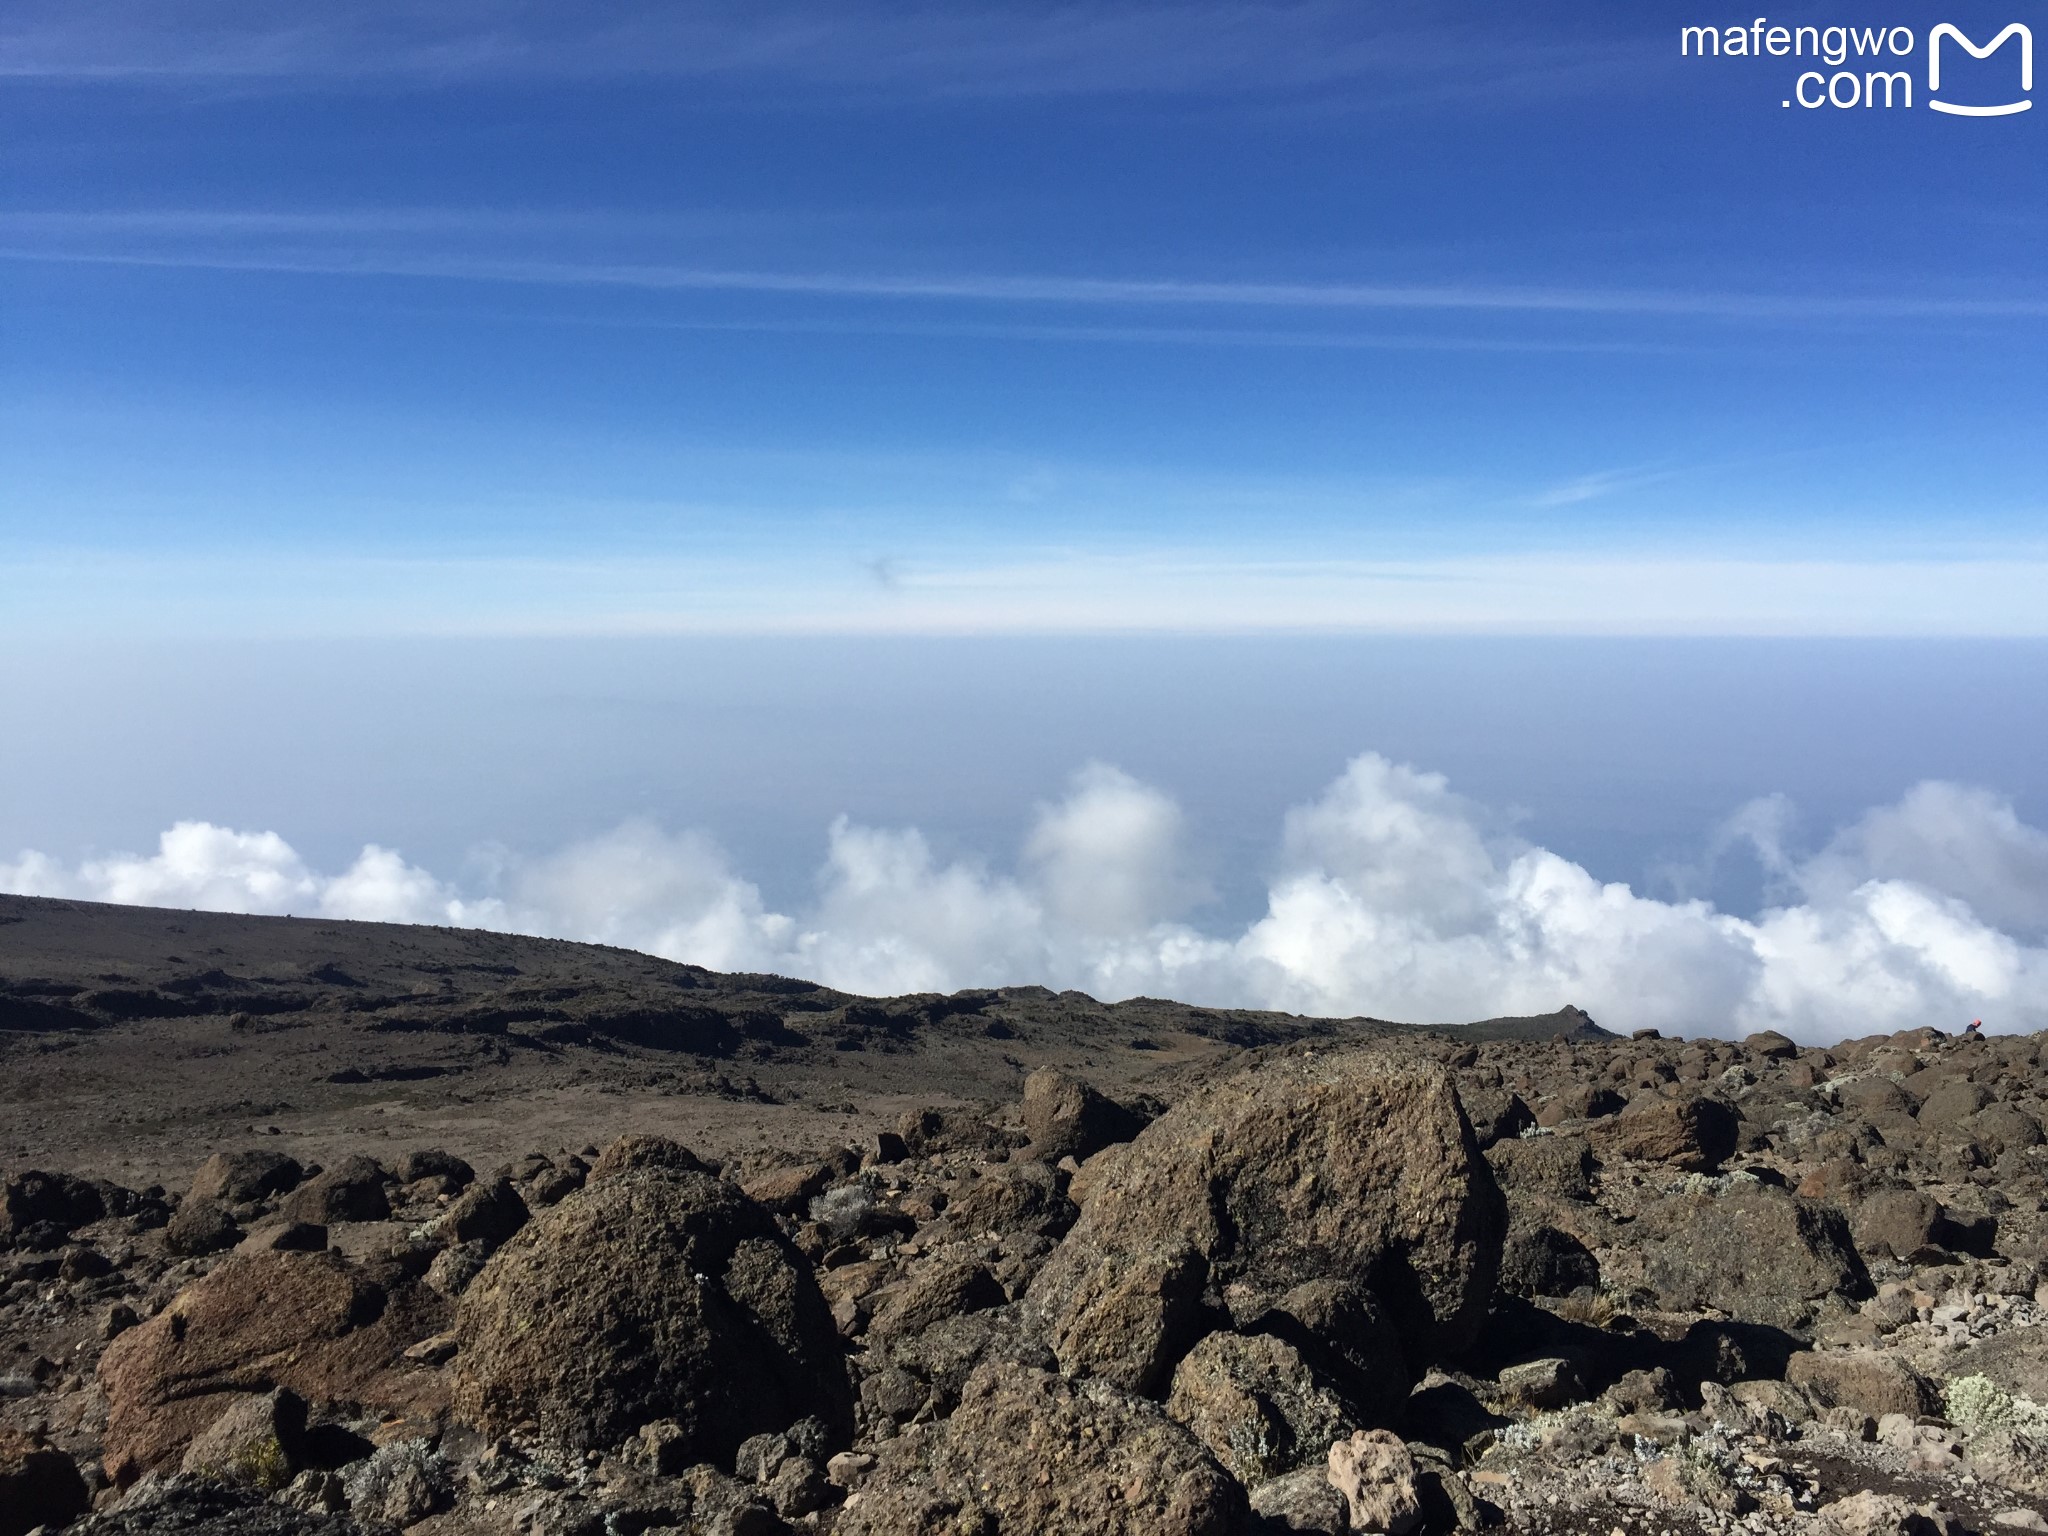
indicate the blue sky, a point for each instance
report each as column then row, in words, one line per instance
column 493, row 318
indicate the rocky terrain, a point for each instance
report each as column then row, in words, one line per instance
column 321, row 1227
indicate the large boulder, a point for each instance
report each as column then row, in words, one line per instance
column 352, row 1190
column 1029, row 1453
column 653, row 1293
column 1359, row 1169
column 1067, row 1118
column 55, row 1202
column 1754, row 1252
column 1693, row 1134
column 1376, row 1474
column 487, row 1212
column 39, row 1485
column 238, row 1177
column 311, row 1322
column 1543, row 1260
column 201, row 1226
column 1871, row 1381
column 1014, row 1197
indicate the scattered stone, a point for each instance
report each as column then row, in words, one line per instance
column 1375, row 1473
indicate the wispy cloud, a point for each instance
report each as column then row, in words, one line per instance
column 1593, row 487
column 994, row 49
column 1045, row 592
column 1079, row 292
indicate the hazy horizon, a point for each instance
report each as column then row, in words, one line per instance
column 894, row 815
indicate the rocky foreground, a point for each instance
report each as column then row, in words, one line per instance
column 1637, row 1286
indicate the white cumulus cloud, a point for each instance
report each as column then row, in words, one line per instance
column 1391, row 896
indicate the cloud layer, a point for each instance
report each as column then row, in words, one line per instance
column 1390, row 896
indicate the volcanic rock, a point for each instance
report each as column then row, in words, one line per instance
column 1376, row 1475
column 1029, row 1452
column 312, row 1322
column 201, row 1226
column 1756, row 1253
column 1694, row 1135
column 1067, row 1118
column 654, row 1293
column 1257, row 1404
column 1871, row 1381
column 236, row 1178
column 352, row 1190
column 39, row 1485
column 1359, row 1169
column 486, row 1212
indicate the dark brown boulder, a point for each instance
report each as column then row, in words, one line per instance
column 1873, row 1382
column 433, row 1163
column 1953, row 1102
column 352, row 1190
column 1870, row 1096
column 39, row 1485
column 645, row 1153
column 648, row 1295
column 1065, row 1117
column 236, row 1178
column 487, row 1212
column 1258, row 1405
column 1756, row 1253
column 1359, row 1169
column 1542, row 1260
column 1028, row 1453
column 1534, row 1168
column 1693, row 1134
column 1581, row 1102
column 201, row 1226
column 56, row 1201
column 1497, row 1114
column 1896, row 1222
column 1014, row 1197
column 946, row 1285
column 308, row 1321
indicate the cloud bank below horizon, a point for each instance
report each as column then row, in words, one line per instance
column 1390, row 896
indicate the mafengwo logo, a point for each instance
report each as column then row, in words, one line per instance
column 1865, row 67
